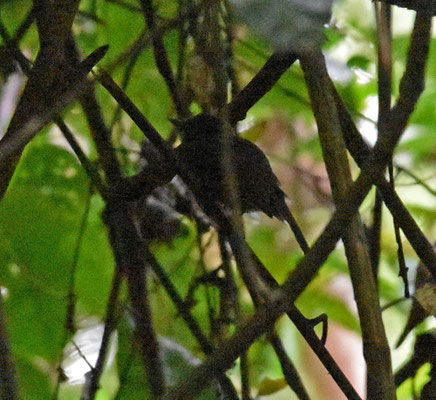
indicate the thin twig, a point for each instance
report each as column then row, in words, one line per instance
column 418, row 180
column 133, row 57
column 161, row 57
column 375, row 235
column 109, row 326
column 289, row 371
column 184, row 312
column 101, row 136
column 383, row 18
column 71, row 305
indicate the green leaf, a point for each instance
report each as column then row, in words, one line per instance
column 39, row 219
column 270, row 386
column 36, row 318
column 34, row 383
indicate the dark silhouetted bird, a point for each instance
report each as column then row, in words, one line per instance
column 218, row 160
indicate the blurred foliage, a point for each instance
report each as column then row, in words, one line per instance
column 41, row 215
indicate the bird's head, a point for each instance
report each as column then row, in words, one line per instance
column 199, row 126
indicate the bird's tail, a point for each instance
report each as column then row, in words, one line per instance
column 289, row 218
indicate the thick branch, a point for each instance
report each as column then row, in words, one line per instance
column 54, row 82
column 87, row 64
column 304, row 272
column 360, row 151
column 128, row 254
column 376, row 349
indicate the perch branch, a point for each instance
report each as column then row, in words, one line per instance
column 156, row 139
column 375, row 346
column 263, row 81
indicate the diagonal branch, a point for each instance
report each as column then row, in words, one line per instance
column 88, row 63
column 161, row 57
column 262, row 83
column 240, row 248
column 304, row 272
column 54, row 82
column 375, row 346
column 360, row 151
column 184, row 312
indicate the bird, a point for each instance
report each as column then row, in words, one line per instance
column 221, row 161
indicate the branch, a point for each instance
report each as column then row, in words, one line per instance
column 8, row 378
column 133, row 112
column 90, row 61
column 375, row 346
column 101, row 136
column 412, row 82
column 54, row 82
column 161, row 58
column 415, row 5
column 360, row 151
column 262, row 83
column 241, row 250
column 289, row 371
column 184, row 312
column 86, row 164
column 89, row 391
column 222, row 359
column 128, row 254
